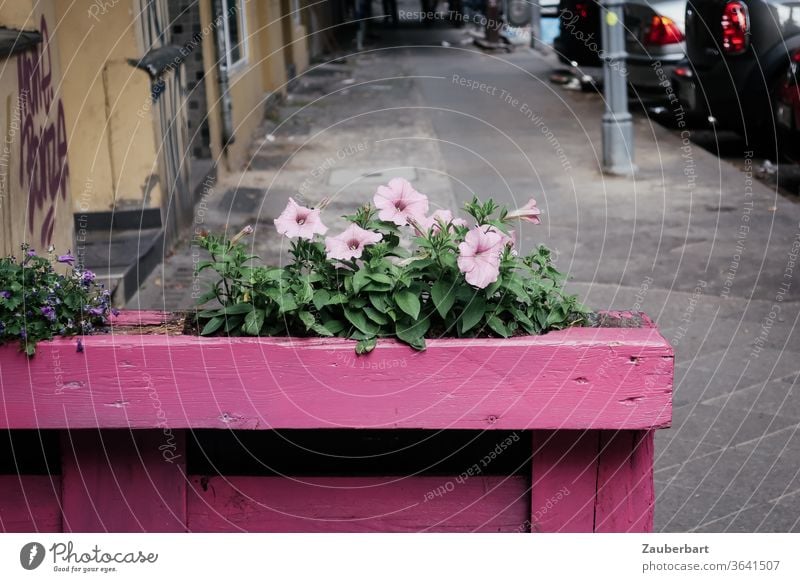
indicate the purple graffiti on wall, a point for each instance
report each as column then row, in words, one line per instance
column 43, row 146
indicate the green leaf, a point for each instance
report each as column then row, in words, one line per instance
column 321, row 330
column 365, row 346
column 253, row 322
column 473, row 313
column 231, row 323
column 412, row 332
column 213, row 325
column 360, row 280
column 380, row 302
column 443, row 297
column 321, row 298
column 334, row 326
column 238, row 309
column 210, row 313
column 360, row 321
column 307, row 319
column 381, row 278
column 497, row 326
column 286, row 303
column 408, row 302
column 305, row 293
column 376, row 316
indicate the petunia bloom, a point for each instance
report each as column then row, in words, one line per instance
column 509, row 239
column 5, row 294
column 350, row 244
column 528, row 213
column 399, row 203
column 479, row 256
column 49, row 312
column 433, row 222
column 67, row 259
column 299, row 221
column 246, row 231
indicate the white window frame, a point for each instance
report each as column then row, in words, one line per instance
column 230, row 66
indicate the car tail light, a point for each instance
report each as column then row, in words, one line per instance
column 735, row 28
column 663, row 31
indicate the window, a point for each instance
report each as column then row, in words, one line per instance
column 234, row 28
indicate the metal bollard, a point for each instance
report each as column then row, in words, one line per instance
column 617, row 120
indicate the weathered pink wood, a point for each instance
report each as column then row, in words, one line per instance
column 344, row 504
column 580, row 378
column 143, row 318
column 564, row 481
column 30, row 503
column 123, row 481
column 625, row 489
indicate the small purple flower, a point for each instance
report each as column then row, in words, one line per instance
column 23, row 334
column 49, row 312
column 5, row 294
column 79, row 347
column 31, row 253
column 96, row 311
column 87, row 277
column 114, row 311
column 67, row 259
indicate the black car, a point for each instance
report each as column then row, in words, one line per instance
column 741, row 63
column 653, row 36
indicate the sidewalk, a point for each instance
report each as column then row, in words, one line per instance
column 706, row 251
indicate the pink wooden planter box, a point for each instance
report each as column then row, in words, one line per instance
column 585, row 400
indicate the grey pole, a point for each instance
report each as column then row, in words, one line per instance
column 617, row 120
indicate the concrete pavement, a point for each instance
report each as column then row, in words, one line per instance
column 695, row 242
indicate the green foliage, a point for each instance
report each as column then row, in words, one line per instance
column 37, row 303
column 386, row 292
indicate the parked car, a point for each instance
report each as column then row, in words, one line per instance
column 653, row 33
column 742, row 65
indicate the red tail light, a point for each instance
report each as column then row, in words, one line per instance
column 663, row 31
column 582, row 9
column 735, row 28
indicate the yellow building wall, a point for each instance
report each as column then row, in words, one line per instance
column 271, row 46
column 108, row 105
column 34, row 167
column 247, row 94
column 299, row 48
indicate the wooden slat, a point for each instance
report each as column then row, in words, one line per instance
column 345, row 504
column 30, row 503
column 122, row 481
column 564, row 481
column 574, row 379
column 625, row 489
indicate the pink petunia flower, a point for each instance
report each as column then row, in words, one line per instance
column 398, row 202
column 299, row 221
column 350, row 244
column 479, row 256
column 432, row 222
column 509, row 239
column 528, row 213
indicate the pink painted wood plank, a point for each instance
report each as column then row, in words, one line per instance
column 573, row 379
column 345, row 504
column 30, row 503
column 564, row 481
column 142, row 318
column 122, row 481
column 625, row 489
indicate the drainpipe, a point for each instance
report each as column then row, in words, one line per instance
column 224, row 83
